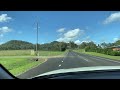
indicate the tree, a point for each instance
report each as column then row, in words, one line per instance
column 104, row 45
column 16, row 45
column 117, row 42
column 82, row 45
column 72, row 45
column 62, row 46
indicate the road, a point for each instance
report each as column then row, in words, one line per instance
column 70, row 60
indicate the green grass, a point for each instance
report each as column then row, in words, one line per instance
column 50, row 53
column 19, row 65
column 17, row 62
column 99, row 54
column 15, row 52
column 29, row 53
column 80, row 50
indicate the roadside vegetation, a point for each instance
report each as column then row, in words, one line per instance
column 23, row 45
column 19, row 65
column 55, row 48
column 98, row 54
column 103, row 48
column 29, row 53
column 51, row 53
column 23, row 48
column 16, row 52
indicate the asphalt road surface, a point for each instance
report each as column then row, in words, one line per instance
column 70, row 60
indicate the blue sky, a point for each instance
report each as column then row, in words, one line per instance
column 77, row 26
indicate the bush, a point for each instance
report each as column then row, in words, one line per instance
column 87, row 49
column 107, row 51
column 116, row 53
column 113, row 53
column 63, row 49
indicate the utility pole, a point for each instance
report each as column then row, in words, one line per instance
column 37, row 41
column 70, row 45
column 60, row 45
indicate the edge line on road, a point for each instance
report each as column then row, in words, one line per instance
column 59, row 65
column 98, row 57
column 65, row 56
column 81, row 57
column 32, row 67
column 106, row 59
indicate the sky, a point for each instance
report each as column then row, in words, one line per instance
column 77, row 26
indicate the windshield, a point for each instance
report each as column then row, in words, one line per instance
column 36, row 42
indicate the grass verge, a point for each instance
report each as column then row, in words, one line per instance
column 99, row 54
column 29, row 53
column 51, row 53
column 15, row 52
column 19, row 65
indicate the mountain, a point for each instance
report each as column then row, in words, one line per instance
column 16, row 45
column 23, row 45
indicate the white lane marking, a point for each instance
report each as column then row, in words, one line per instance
column 112, row 61
column 65, row 56
column 98, row 58
column 73, row 54
column 60, row 65
column 105, row 59
column 85, row 59
column 62, row 61
column 82, row 57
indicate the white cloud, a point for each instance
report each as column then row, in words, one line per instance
column 4, row 18
column 61, row 30
column 77, row 42
column 42, row 43
column 5, row 29
column 71, row 35
column 115, row 39
column 64, row 39
column 113, row 17
column 85, row 41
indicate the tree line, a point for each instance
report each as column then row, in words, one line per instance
column 104, row 48
column 23, row 45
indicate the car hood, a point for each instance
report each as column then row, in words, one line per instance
column 80, row 69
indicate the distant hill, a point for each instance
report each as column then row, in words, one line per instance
column 16, row 45
column 23, row 45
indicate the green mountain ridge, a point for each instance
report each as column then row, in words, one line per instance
column 24, row 45
column 16, row 45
